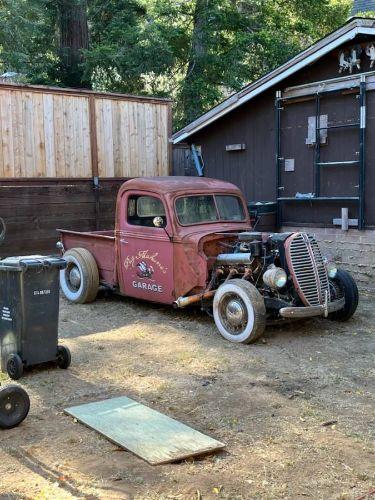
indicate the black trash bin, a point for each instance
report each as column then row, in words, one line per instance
column 29, row 312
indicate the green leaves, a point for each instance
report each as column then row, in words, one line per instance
column 196, row 51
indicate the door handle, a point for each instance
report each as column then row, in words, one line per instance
column 123, row 241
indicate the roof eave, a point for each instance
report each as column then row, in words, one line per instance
column 311, row 54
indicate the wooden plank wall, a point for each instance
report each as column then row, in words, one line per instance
column 182, row 160
column 132, row 138
column 52, row 134
column 53, row 142
column 33, row 211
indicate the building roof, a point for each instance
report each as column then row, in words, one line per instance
column 362, row 6
column 355, row 26
column 174, row 184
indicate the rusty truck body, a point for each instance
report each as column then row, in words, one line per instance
column 185, row 241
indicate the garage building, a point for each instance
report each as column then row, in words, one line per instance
column 302, row 136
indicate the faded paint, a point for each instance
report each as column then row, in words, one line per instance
column 159, row 264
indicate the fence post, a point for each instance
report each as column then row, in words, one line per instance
column 94, row 159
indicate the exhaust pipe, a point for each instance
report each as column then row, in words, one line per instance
column 192, row 299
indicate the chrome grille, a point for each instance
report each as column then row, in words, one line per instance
column 307, row 267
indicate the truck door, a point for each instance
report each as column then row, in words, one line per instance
column 146, row 251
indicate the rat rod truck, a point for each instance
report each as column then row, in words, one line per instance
column 185, row 240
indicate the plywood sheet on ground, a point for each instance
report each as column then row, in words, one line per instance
column 145, row 432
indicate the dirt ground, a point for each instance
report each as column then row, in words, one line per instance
column 296, row 410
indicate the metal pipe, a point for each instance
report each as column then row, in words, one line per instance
column 214, row 277
column 232, row 259
column 232, row 272
column 362, row 154
column 3, row 229
column 317, row 146
column 192, row 299
column 278, row 105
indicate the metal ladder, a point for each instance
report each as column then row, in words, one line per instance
column 361, row 162
column 197, row 160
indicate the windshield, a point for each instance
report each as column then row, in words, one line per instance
column 209, row 208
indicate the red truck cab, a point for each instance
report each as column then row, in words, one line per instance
column 159, row 264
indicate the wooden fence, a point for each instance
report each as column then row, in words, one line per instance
column 33, row 211
column 64, row 154
column 62, row 133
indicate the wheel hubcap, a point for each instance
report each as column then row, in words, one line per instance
column 75, row 277
column 235, row 312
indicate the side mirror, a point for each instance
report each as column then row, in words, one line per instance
column 2, row 229
column 158, row 221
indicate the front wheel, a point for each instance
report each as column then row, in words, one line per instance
column 14, row 406
column 343, row 285
column 239, row 311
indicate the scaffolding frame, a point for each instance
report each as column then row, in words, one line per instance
column 319, row 93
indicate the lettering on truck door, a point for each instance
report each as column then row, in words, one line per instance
column 146, row 253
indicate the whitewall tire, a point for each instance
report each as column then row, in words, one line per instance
column 239, row 311
column 80, row 280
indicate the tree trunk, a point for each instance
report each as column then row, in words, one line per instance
column 192, row 98
column 73, row 40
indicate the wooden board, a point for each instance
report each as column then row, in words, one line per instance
column 156, row 438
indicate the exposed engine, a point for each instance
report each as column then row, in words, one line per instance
column 287, row 268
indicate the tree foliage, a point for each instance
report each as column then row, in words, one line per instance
column 196, row 51
column 27, row 39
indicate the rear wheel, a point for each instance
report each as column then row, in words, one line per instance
column 64, row 357
column 239, row 311
column 14, row 366
column 14, row 406
column 343, row 285
column 79, row 281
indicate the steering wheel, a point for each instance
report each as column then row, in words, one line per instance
column 2, row 229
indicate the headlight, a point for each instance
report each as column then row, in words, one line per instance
column 331, row 269
column 275, row 277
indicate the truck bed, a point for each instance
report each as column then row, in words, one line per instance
column 101, row 244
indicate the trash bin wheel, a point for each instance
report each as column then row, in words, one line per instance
column 64, row 358
column 14, row 406
column 79, row 281
column 14, row 366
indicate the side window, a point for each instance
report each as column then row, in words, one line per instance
column 143, row 209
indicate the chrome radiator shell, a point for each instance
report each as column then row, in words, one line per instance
column 307, row 268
